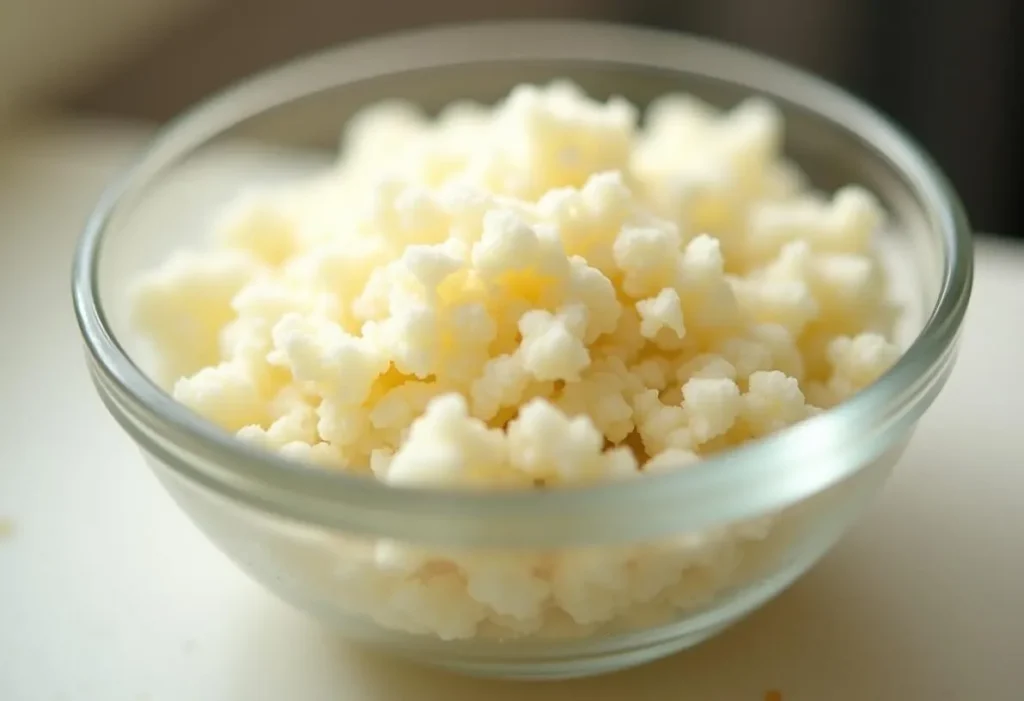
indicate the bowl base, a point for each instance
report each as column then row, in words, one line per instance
column 575, row 668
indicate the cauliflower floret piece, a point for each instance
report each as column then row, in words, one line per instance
column 343, row 269
column 711, row 405
column 847, row 224
column 751, row 136
column 788, row 303
column 786, row 355
column 591, row 288
column 448, row 447
column 702, row 260
column 547, row 445
column 509, row 247
column 851, row 291
column 678, row 119
column 707, row 366
column 439, row 605
column 591, row 584
column 654, row 372
column 745, row 356
column 626, row 342
column 854, row 218
column 783, row 181
column 607, row 198
column 708, row 300
column 343, row 424
column 781, row 292
column 589, row 220
column 559, row 137
column 448, row 345
column 467, row 334
column 502, row 384
column 507, row 584
column 647, row 257
column 552, row 347
column 298, row 425
column 858, row 361
column 319, row 352
column 431, row 265
column 379, row 133
column 226, row 394
column 182, row 306
column 260, row 226
column 600, row 396
column 772, row 401
column 407, row 213
column 400, row 405
column 660, row 425
column 661, row 312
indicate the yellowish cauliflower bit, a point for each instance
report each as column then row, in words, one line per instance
column 857, row 362
column 509, row 245
column 181, row 308
column 660, row 425
column 600, row 396
column 552, row 347
column 661, row 312
column 502, row 384
column 702, row 169
column 319, row 353
column 507, row 584
column 299, row 425
column 556, row 137
column 591, row 585
column 542, row 293
column 588, row 286
column 547, row 445
column 439, row 605
column 772, row 401
column 847, row 224
column 226, row 394
column 653, row 373
column 260, row 226
column 712, row 406
column 448, row 446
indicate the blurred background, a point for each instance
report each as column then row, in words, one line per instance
column 944, row 69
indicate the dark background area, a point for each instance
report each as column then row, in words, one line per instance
column 947, row 71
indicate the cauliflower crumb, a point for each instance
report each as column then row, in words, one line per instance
column 552, row 348
column 540, row 294
column 712, row 406
column 857, row 362
column 226, row 394
column 772, row 401
column 661, row 312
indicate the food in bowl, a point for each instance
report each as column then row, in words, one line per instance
column 539, row 295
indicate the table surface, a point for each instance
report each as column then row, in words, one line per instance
column 108, row 593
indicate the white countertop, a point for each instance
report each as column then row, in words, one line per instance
column 108, row 593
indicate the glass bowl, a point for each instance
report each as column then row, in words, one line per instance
column 629, row 571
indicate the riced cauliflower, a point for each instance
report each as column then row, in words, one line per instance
column 540, row 294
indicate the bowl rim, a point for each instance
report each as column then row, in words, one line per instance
column 735, row 484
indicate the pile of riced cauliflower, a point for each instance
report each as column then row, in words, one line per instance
column 537, row 294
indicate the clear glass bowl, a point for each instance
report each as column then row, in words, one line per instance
column 630, row 571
